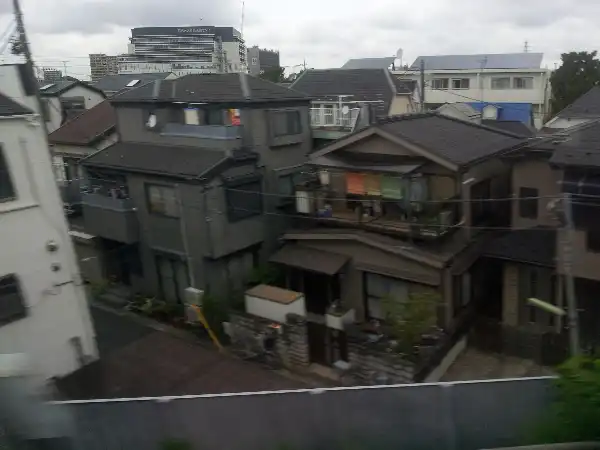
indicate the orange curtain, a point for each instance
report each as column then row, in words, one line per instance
column 355, row 183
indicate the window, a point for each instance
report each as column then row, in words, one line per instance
column 439, row 83
column 254, row 61
column 162, row 200
column 286, row 187
column 523, row 83
column 528, row 203
column 285, row 123
column 46, row 109
column 12, row 305
column 593, row 239
column 500, row 82
column 7, row 190
column 379, row 287
column 191, row 117
column 460, row 83
column 244, row 200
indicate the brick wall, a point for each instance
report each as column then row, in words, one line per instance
column 372, row 365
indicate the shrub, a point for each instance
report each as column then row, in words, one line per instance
column 575, row 413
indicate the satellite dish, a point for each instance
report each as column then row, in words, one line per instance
column 345, row 109
column 151, row 121
column 399, row 53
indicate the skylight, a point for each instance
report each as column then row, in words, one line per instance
column 132, row 83
column 48, row 86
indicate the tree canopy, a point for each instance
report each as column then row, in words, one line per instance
column 578, row 73
column 276, row 75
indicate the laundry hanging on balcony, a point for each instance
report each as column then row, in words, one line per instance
column 373, row 184
column 391, row 187
column 355, row 183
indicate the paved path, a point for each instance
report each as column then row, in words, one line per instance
column 139, row 361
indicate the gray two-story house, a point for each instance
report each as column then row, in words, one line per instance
column 192, row 193
column 401, row 210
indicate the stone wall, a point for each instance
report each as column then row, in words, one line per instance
column 278, row 344
column 373, row 364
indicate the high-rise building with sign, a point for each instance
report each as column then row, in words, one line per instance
column 184, row 50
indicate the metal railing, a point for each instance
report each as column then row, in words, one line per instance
column 333, row 117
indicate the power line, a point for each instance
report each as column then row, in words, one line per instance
column 268, row 194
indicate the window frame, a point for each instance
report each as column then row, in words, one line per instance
column 234, row 214
column 461, row 80
column 6, row 177
column 274, row 113
column 367, row 296
column 528, row 208
column 444, row 81
column 151, row 211
column 497, row 79
column 514, row 83
column 23, row 311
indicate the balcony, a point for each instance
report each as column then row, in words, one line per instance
column 333, row 123
column 274, row 303
column 223, row 137
column 381, row 211
column 110, row 217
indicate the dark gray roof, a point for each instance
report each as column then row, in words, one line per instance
column 58, row 87
column 114, row 83
column 588, row 105
column 369, row 63
column 361, row 84
column 512, row 126
column 535, row 246
column 157, row 159
column 578, row 147
column 457, row 141
column 210, row 88
column 494, row 61
column 8, row 107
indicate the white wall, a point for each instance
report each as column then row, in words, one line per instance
column 480, row 87
column 56, row 299
column 10, row 85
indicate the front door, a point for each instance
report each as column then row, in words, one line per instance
column 317, row 343
column 173, row 278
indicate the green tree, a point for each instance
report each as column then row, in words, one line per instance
column 578, row 73
column 276, row 75
column 410, row 319
column 575, row 414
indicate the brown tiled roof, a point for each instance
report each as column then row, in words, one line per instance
column 87, row 127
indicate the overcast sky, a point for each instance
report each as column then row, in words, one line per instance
column 325, row 33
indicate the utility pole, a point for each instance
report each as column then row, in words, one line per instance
column 24, row 46
column 65, row 68
column 567, row 262
column 422, row 85
column 526, row 47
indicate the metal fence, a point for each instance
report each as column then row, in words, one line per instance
column 463, row 415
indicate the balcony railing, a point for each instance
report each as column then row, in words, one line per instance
column 424, row 219
column 333, row 118
column 110, row 217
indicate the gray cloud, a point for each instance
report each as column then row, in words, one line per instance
column 90, row 17
column 325, row 33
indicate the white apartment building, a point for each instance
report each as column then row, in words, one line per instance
column 43, row 306
column 184, row 50
column 510, row 80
